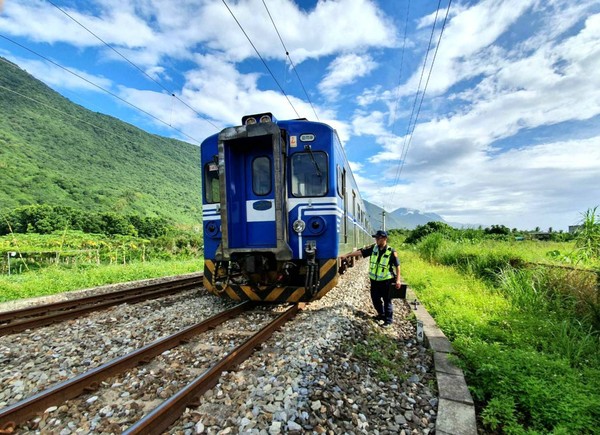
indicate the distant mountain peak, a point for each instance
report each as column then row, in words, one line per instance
column 402, row 217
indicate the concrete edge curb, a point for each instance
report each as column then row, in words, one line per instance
column 456, row 410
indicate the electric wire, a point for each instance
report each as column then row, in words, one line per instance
column 426, row 82
column 410, row 130
column 171, row 93
column 395, row 114
column 101, row 88
column 125, row 138
column 48, row 106
column 287, row 53
column 261, row 58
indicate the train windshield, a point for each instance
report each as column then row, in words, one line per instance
column 309, row 174
column 211, row 183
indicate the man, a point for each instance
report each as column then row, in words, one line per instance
column 384, row 269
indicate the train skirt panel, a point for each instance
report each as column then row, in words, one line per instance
column 240, row 288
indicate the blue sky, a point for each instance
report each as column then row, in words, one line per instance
column 508, row 131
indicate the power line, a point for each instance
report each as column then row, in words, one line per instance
column 134, row 65
column 287, row 53
column 260, row 57
column 409, row 130
column 100, row 87
column 125, row 138
column 428, row 77
column 395, row 116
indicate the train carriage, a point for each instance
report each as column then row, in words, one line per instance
column 280, row 205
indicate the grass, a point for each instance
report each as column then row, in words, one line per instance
column 531, row 361
column 58, row 279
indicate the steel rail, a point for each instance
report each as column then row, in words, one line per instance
column 159, row 420
column 20, row 412
column 76, row 307
column 62, row 305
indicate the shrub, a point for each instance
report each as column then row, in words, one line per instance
column 424, row 230
column 587, row 238
column 430, row 246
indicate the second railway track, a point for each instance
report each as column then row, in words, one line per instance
column 46, row 314
column 169, row 411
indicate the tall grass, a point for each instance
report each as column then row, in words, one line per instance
column 531, row 358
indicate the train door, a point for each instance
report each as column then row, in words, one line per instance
column 253, row 211
column 354, row 220
column 345, row 217
column 250, row 193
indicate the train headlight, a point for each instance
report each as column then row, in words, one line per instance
column 250, row 120
column 265, row 118
column 299, row 226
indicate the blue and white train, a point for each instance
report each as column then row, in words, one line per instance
column 280, row 205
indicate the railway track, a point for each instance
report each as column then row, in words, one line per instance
column 47, row 314
column 168, row 411
column 305, row 379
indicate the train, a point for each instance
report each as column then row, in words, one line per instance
column 279, row 206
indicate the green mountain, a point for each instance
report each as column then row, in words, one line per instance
column 55, row 152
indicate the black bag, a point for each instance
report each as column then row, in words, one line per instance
column 398, row 293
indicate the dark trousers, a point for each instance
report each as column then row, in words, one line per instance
column 380, row 295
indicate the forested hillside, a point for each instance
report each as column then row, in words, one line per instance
column 77, row 158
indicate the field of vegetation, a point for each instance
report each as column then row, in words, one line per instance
column 524, row 318
column 43, row 264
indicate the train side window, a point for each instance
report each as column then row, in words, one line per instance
column 309, row 174
column 211, row 183
column 261, row 176
column 340, row 181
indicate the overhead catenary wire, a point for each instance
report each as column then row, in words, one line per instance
column 395, row 113
column 261, row 58
column 133, row 64
column 427, row 81
column 416, row 99
column 287, row 53
column 101, row 88
column 415, row 112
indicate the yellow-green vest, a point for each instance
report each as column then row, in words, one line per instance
column 380, row 271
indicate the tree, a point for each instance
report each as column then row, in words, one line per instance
column 497, row 229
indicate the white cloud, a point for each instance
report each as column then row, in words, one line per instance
column 344, row 70
column 372, row 123
column 162, row 29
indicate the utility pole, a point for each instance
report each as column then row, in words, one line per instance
column 383, row 218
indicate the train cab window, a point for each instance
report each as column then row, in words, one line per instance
column 309, row 174
column 261, row 176
column 211, row 183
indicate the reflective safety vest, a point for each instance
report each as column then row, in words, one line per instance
column 380, row 270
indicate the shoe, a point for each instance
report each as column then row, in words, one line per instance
column 378, row 318
column 386, row 324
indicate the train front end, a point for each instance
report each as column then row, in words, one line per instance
column 269, row 222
